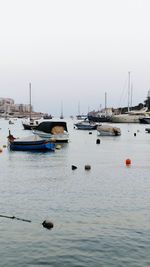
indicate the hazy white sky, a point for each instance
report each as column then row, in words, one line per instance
column 74, row 51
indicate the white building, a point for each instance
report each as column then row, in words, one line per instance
column 7, row 105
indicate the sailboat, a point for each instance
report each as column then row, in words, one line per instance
column 31, row 124
column 102, row 115
column 132, row 116
column 80, row 116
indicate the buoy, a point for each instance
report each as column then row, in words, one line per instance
column 74, row 167
column 98, row 141
column 47, row 224
column 134, row 134
column 87, row 167
column 58, row 147
column 128, row 162
column 1, row 150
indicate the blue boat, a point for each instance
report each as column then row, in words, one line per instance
column 30, row 143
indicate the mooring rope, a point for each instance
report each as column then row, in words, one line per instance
column 14, row 217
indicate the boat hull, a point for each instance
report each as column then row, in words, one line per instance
column 145, row 120
column 85, row 127
column 126, row 118
column 27, row 126
column 31, row 147
column 99, row 118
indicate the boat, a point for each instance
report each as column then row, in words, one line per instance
column 85, row 125
column 108, row 130
column 11, row 122
column 103, row 115
column 147, row 130
column 30, row 124
column 47, row 116
column 30, row 143
column 81, row 117
column 131, row 116
column 127, row 118
column 99, row 116
column 53, row 130
column 145, row 120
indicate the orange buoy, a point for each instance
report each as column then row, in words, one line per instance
column 128, row 162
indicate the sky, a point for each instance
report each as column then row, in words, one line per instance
column 73, row 51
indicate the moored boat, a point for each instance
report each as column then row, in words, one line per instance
column 147, row 130
column 108, row 130
column 127, row 118
column 30, row 143
column 53, row 130
column 85, row 125
column 145, row 120
column 30, row 125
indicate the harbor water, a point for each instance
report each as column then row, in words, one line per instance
column 101, row 216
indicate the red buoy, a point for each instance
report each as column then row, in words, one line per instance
column 128, row 162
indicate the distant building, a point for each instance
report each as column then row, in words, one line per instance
column 7, row 105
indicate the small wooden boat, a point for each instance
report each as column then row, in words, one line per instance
column 30, row 143
column 108, row 130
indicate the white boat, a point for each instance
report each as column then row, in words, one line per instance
column 126, row 118
column 132, row 116
column 85, row 125
column 53, row 130
column 108, row 130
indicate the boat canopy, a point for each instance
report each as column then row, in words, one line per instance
column 52, row 127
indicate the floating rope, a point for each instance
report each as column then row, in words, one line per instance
column 13, row 217
column 46, row 224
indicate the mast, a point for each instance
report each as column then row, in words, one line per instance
column 79, row 108
column 128, row 91
column 30, row 99
column 131, row 95
column 61, row 115
column 105, row 102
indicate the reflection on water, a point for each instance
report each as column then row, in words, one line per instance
column 101, row 217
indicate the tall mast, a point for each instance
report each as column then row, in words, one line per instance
column 79, row 108
column 128, row 91
column 105, row 102
column 30, row 99
column 131, row 94
column 61, row 115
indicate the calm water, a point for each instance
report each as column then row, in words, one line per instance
column 101, row 217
